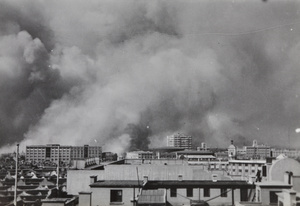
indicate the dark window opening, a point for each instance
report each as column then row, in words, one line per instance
column 273, row 197
column 244, row 195
column 189, row 192
column 116, row 196
column 86, row 151
column 223, row 192
column 264, row 171
column 206, row 192
column 173, row 192
column 48, row 151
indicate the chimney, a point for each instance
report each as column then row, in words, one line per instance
column 180, row 178
column 231, row 141
column 93, row 179
column 145, row 180
column 214, row 177
column 288, row 177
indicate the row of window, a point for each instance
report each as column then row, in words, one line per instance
column 252, row 171
column 246, row 164
column 189, row 192
column 117, row 195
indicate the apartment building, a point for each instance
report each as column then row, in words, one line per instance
column 243, row 169
column 292, row 153
column 180, row 140
column 63, row 153
column 257, row 151
column 86, row 151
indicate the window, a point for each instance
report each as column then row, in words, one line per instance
column 273, row 197
column 116, row 196
column 173, row 192
column 206, row 192
column 244, row 195
column 223, row 192
column 189, row 192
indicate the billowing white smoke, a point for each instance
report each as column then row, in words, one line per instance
column 143, row 63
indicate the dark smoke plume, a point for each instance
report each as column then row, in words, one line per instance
column 126, row 74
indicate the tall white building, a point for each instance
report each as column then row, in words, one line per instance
column 180, row 141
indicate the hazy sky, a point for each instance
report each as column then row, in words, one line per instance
column 99, row 72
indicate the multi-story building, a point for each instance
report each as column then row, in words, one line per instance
column 180, row 141
column 63, row 153
column 292, row 153
column 86, row 151
column 140, row 155
column 257, row 151
column 243, row 169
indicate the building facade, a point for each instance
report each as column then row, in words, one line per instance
column 257, row 151
column 167, row 192
column 292, row 153
column 86, row 151
column 63, row 153
column 180, row 141
column 140, row 155
column 243, row 169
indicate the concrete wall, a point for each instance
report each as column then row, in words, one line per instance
column 101, row 196
column 85, row 198
column 79, row 180
column 278, row 169
column 264, row 196
column 198, row 194
column 155, row 172
column 296, row 183
column 52, row 204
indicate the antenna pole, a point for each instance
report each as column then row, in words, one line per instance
column 57, row 170
column 137, row 173
column 16, row 176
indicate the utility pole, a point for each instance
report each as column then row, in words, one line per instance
column 232, row 196
column 16, row 176
column 57, row 172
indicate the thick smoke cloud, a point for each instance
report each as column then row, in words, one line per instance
column 127, row 74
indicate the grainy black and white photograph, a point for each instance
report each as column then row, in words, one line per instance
column 149, row 102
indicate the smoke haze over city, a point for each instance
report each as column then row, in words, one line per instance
column 125, row 74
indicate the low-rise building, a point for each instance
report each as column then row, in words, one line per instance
column 140, row 155
column 167, row 192
column 280, row 187
column 292, row 153
column 243, row 169
column 257, row 151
